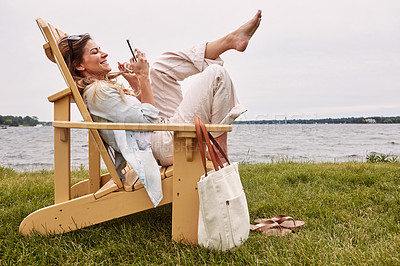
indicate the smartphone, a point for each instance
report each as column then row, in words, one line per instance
column 133, row 53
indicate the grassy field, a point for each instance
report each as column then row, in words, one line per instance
column 352, row 211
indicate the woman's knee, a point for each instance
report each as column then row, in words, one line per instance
column 218, row 73
column 217, row 70
column 219, row 77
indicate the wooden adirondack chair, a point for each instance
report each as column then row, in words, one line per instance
column 96, row 200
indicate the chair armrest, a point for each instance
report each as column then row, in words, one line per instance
column 140, row 126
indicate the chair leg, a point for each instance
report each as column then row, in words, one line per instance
column 185, row 204
column 62, row 170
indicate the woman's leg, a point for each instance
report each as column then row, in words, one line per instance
column 237, row 40
column 165, row 74
column 173, row 67
column 212, row 97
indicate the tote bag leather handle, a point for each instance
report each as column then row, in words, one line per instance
column 211, row 143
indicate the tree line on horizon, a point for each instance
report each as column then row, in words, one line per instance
column 349, row 120
column 16, row 121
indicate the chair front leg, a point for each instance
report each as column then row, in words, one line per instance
column 187, row 172
column 62, row 154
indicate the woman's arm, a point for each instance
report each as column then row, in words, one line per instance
column 146, row 93
column 109, row 105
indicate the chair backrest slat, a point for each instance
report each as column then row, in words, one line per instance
column 48, row 31
column 52, row 35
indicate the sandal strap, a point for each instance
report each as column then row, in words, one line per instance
column 264, row 220
column 280, row 218
column 265, row 225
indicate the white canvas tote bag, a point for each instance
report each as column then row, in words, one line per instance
column 224, row 220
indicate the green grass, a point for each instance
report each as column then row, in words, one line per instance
column 352, row 211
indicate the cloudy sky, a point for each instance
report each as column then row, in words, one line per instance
column 309, row 58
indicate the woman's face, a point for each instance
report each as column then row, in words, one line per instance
column 94, row 61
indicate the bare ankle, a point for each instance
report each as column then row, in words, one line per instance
column 238, row 40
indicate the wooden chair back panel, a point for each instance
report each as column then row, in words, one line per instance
column 52, row 35
column 50, row 32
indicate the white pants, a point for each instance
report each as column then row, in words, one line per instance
column 211, row 97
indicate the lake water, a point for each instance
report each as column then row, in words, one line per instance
column 31, row 148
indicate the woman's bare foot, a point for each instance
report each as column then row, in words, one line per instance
column 239, row 39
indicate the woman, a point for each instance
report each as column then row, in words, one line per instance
column 212, row 97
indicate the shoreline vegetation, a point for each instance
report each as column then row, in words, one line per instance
column 351, row 210
column 15, row 121
column 349, row 120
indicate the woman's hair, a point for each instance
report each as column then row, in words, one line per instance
column 81, row 81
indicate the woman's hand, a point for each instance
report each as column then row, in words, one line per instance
column 133, row 70
column 129, row 75
column 137, row 74
column 141, row 67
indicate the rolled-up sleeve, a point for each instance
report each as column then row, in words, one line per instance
column 111, row 107
column 150, row 113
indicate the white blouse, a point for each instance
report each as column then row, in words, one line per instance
column 133, row 147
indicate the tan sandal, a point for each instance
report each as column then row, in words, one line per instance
column 269, row 227
column 284, row 221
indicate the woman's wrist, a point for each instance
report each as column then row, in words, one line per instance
column 143, row 76
column 145, row 89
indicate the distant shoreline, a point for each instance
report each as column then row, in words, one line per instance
column 349, row 120
column 15, row 121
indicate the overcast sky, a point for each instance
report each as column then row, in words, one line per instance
column 309, row 58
